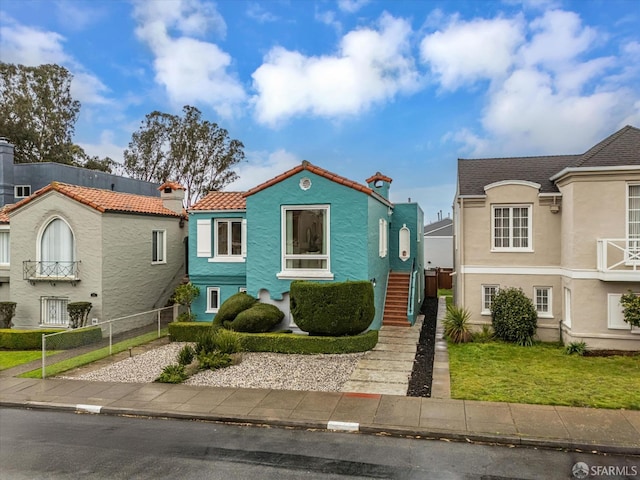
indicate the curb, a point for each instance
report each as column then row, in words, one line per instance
column 335, row 426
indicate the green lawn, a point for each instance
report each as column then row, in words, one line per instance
column 13, row 358
column 543, row 374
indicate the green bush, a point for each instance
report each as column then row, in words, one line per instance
column 7, row 311
column 214, row 360
column 579, row 348
column 187, row 317
column 456, row 324
column 227, row 341
column 205, row 341
column 339, row 308
column 185, row 294
column 631, row 308
column 261, row 317
column 232, row 306
column 513, row 316
column 483, row 336
column 186, row 355
column 281, row 342
column 78, row 313
column 32, row 339
column 172, row 374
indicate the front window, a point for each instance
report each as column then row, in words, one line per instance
column 306, row 238
column 633, row 223
column 53, row 311
column 228, row 238
column 22, row 191
column 488, row 292
column 542, row 296
column 213, row 299
column 158, row 247
column 511, row 228
column 5, row 251
column 57, row 250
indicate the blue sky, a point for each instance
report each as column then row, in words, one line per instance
column 403, row 87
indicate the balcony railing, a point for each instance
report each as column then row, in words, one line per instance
column 619, row 259
column 50, row 271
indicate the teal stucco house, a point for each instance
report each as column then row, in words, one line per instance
column 310, row 224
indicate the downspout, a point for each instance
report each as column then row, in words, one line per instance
column 461, row 253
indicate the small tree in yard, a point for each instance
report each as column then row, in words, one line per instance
column 78, row 313
column 185, row 294
column 514, row 316
column 7, row 311
column 631, row 308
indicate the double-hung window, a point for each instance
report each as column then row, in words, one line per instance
column 542, row 300
column 5, row 252
column 21, row 191
column 305, row 241
column 633, row 224
column 511, row 228
column 159, row 247
column 228, row 238
column 383, row 236
column 488, row 292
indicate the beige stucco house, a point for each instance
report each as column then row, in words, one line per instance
column 122, row 252
column 565, row 229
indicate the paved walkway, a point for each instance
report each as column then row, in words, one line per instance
column 612, row 431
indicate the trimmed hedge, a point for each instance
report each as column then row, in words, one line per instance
column 282, row 342
column 333, row 309
column 232, row 306
column 32, row 339
column 261, row 317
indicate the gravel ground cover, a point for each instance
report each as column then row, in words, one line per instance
column 326, row 373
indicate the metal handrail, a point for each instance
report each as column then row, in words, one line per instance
column 411, row 288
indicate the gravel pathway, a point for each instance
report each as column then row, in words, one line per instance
column 326, row 373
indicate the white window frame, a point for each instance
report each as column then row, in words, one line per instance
column 632, row 247
column 5, row 247
column 301, row 273
column 615, row 315
column 383, row 238
column 19, row 191
column 230, row 257
column 242, row 289
column 511, row 248
column 549, row 292
column 41, row 253
column 212, row 308
column 44, row 305
column 567, row 307
column 486, row 306
column 155, row 252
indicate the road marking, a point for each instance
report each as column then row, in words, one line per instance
column 343, row 426
column 89, row 408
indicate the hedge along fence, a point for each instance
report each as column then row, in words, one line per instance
column 32, row 339
column 337, row 308
column 282, row 342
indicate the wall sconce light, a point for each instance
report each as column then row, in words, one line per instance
column 373, row 282
column 94, row 294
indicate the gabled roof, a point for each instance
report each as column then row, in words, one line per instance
column 104, row 200
column 313, row 169
column 441, row 228
column 620, row 149
column 4, row 215
column 379, row 176
column 221, row 201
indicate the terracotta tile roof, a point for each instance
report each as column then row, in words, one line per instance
column 313, row 169
column 4, row 215
column 171, row 185
column 379, row 176
column 221, row 201
column 104, row 200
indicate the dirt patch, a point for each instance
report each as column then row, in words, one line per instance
column 611, row 353
column 422, row 373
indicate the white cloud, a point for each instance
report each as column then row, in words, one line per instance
column 258, row 13
column 30, row 46
column 191, row 70
column 260, row 167
column 465, row 52
column 351, row 6
column 371, row 66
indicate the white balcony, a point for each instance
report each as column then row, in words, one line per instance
column 619, row 259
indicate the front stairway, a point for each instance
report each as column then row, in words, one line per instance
column 395, row 306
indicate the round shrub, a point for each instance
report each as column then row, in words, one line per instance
column 334, row 309
column 260, row 318
column 232, row 306
column 513, row 316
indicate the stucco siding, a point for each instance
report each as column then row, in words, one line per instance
column 378, row 266
column 27, row 225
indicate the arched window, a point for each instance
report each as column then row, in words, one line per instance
column 57, row 258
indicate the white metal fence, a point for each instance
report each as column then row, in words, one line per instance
column 71, row 339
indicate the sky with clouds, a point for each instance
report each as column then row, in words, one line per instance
column 404, row 87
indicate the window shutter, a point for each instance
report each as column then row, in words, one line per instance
column 244, row 237
column 203, row 237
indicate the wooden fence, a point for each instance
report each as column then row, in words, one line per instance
column 437, row 278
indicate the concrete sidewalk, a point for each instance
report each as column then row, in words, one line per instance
column 607, row 431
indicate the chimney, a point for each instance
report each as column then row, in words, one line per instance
column 6, row 172
column 172, row 195
column 380, row 184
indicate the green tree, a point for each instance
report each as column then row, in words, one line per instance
column 196, row 153
column 38, row 112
